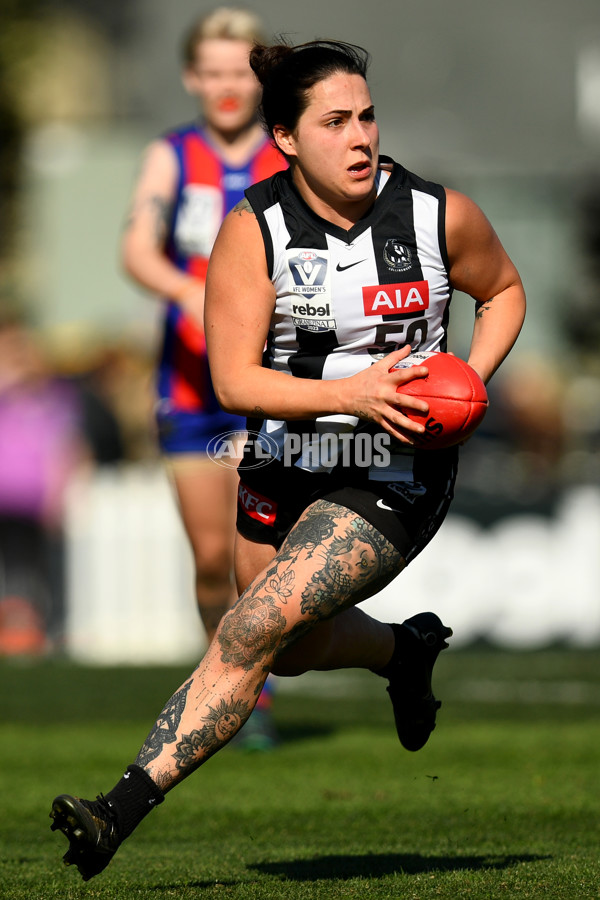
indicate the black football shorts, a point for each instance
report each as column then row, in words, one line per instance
column 406, row 503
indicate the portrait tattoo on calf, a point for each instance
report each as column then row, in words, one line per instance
column 221, row 723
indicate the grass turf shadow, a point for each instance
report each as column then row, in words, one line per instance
column 372, row 865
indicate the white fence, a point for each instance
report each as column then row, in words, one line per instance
column 130, row 592
column 525, row 582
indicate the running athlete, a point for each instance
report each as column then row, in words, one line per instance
column 305, row 265
column 191, row 177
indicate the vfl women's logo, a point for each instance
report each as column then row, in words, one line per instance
column 396, row 256
column 309, row 279
column 308, row 271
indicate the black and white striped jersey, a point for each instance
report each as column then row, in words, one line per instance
column 346, row 298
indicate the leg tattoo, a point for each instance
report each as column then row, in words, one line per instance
column 350, row 560
column 252, row 629
column 220, row 725
column 165, row 729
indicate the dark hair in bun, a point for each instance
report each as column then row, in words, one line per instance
column 287, row 73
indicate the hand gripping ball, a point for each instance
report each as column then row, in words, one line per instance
column 456, row 395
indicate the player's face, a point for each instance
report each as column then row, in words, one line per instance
column 224, row 83
column 334, row 148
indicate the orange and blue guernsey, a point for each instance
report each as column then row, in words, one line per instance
column 188, row 414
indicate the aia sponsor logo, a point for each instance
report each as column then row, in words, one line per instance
column 410, row 298
column 256, row 505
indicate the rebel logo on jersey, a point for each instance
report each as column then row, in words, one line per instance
column 409, row 298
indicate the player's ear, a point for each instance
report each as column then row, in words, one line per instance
column 284, row 140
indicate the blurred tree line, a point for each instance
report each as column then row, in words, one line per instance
column 19, row 40
column 54, row 66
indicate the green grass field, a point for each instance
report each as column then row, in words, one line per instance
column 502, row 803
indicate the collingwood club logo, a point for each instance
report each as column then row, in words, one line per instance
column 397, row 256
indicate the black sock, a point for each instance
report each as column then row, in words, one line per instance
column 132, row 798
column 400, row 635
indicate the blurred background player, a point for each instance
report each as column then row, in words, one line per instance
column 191, row 177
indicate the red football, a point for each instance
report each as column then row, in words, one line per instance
column 456, row 395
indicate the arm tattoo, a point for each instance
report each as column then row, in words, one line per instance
column 165, row 729
column 163, row 211
column 361, row 414
column 482, row 307
column 243, row 206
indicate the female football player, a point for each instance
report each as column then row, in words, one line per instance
column 295, row 296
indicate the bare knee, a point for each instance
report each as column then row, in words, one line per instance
column 251, row 633
column 213, row 559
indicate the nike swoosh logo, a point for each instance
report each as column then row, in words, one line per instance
column 382, row 505
column 339, row 268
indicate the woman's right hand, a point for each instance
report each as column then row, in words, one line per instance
column 375, row 395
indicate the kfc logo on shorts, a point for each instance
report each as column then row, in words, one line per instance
column 256, row 505
column 410, row 298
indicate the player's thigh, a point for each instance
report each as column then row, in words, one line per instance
column 331, row 560
column 340, row 556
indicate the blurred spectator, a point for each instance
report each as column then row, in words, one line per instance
column 533, row 391
column 515, row 461
column 41, row 447
column 115, row 381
